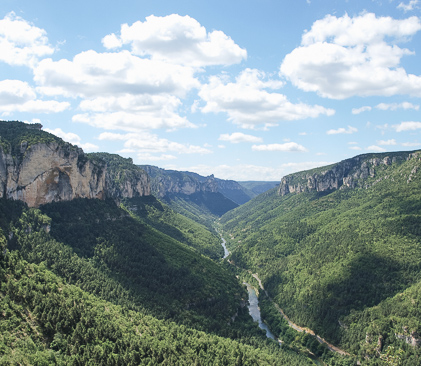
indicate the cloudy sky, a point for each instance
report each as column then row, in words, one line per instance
column 245, row 90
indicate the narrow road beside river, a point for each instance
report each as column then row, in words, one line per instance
column 254, row 309
column 331, row 347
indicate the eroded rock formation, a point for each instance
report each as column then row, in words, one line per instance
column 350, row 173
column 51, row 171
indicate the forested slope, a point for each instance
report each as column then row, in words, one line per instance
column 99, row 246
column 46, row 321
column 96, row 271
column 202, row 199
column 160, row 216
column 87, row 282
column 346, row 262
column 202, row 207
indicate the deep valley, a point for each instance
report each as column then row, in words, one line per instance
column 104, row 262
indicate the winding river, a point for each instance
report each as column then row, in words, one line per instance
column 224, row 245
column 254, row 311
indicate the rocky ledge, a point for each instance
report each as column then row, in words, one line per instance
column 52, row 171
column 350, row 173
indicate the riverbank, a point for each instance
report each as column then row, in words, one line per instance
column 254, row 311
column 330, row 346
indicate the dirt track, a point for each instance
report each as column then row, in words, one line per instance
column 298, row 328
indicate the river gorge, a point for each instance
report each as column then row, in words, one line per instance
column 254, row 311
column 253, row 306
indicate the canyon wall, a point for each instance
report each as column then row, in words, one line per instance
column 52, row 171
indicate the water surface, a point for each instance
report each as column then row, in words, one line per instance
column 254, row 311
column 226, row 252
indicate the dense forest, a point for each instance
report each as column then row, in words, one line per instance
column 139, row 280
column 345, row 263
column 117, row 282
column 14, row 133
column 87, row 281
column 46, row 321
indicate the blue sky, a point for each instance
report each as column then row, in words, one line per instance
column 244, row 90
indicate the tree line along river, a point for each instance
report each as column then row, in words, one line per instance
column 254, row 310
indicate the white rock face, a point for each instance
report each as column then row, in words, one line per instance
column 49, row 172
column 164, row 182
column 348, row 173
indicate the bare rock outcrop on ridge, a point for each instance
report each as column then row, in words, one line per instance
column 349, row 173
column 44, row 172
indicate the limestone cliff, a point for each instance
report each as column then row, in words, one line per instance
column 166, row 182
column 41, row 168
column 352, row 173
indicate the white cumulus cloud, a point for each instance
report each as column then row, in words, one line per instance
column 408, row 7
column 396, row 106
column 249, row 104
column 238, row 137
column 342, row 130
column 177, row 39
column 92, row 74
column 348, row 56
column 407, row 126
column 72, row 138
column 21, row 43
column 361, row 109
column 19, row 96
column 133, row 121
column 387, row 107
column 375, row 148
column 387, row 142
column 288, row 146
column 147, row 144
column 133, row 112
column 119, row 90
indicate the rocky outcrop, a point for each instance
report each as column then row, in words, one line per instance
column 350, row 173
column 164, row 182
column 53, row 171
column 412, row 338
